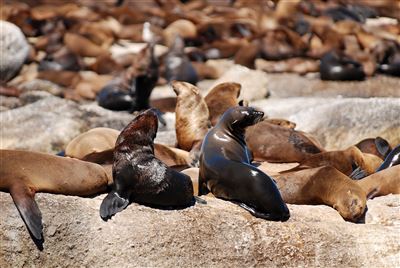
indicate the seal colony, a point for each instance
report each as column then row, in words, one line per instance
column 149, row 173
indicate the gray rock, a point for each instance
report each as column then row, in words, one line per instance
column 41, row 85
column 292, row 85
column 33, row 96
column 14, row 49
column 211, row 235
column 49, row 124
column 254, row 83
column 339, row 122
column 9, row 102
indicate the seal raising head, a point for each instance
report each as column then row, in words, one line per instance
column 139, row 176
column 226, row 171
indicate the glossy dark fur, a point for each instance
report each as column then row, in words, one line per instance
column 392, row 159
column 139, row 176
column 226, row 171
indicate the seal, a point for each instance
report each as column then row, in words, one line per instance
column 226, row 171
column 340, row 68
column 132, row 90
column 346, row 161
column 377, row 146
column 139, row 176
column 24, row 173
column 178, row 65
column 276, row 141
column 391, row 160
column 383, row 182
column 324, row 186
column 97, row 145
column 220, row 98
column 191, row 114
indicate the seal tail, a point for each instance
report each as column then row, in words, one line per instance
column 111, row 205
column 23, row 198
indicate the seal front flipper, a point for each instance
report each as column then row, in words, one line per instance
column 23, row 198
column 259, row 214
column 111, row 205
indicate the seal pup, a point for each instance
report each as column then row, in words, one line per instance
column 139, row 176
column 24, row 173
column 220, row 98
column 226, row 171
column 278, row 141
column 192, row 117
column 324, row 186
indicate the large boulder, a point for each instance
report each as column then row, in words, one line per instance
column 211, row 235
column 339, row 122
column 14, row 49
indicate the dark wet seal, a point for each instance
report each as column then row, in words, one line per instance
column 226, row 171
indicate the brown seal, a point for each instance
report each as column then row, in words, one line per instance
column 24, row 173
column 97, row 145
column 377, row 146
column 220, row 98
column 226, row 171
column 344, row 160
column 191, row 115
column 381, row 183
column 324, row 185
column 276, row 143
column 139, row 176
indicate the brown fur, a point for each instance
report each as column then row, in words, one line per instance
column 323, row 185
column 191, row 115
column 381, row 183
column 275, row 143
column 221, row 98
column 343, row 160
column 369, row 146
column 83, row 46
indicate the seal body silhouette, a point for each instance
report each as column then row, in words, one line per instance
column 226, row 171
column 139, row 176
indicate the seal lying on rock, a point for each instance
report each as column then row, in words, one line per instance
column 382, row 182
column 24, row 173
column 276, row 143
column 324, row 185
column 377, row 146
column 139, row 176
column 225, row 167
column 335, row 67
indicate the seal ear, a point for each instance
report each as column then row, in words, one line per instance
column 382, row 146
column 23, row 198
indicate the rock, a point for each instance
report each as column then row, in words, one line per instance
column 9, row 102
column 339, row 122
column 32, row 96
column 14, row 49
column 254, row 83
column 199, row 236
column 41, row 85
column 49, row 124
column 292, row 85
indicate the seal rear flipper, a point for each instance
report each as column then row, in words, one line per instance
column 266, row 216
column 111, row 205
column 200, row 200
column 23, row 198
